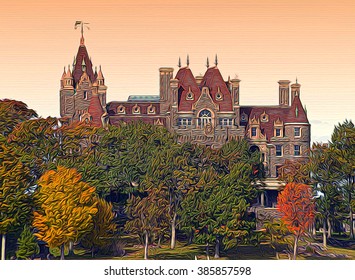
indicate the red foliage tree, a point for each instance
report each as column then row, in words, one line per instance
column 297, row 211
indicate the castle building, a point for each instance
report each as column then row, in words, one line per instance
column 202, row 109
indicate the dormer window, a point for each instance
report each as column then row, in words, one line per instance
column 85, row 95
column 136, row 109
column 264, row 117
column 253, row 132
column 244, row 117
column 219, row 95
column 151, row 109
column 190, row 95
column 121, row 109
column 278, row 132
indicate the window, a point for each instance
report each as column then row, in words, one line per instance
column 85, row 95
column 279, row 150
column 190, row 96
column 151, row 109
column 297, row 150
column 244, row 117
column 184, row 121
column 205, row 117
column 219, row 96
column 297, row 131
column 225, row 122
column 121, row 109
column 278, row 132
column 136, row 109
column 253, row 131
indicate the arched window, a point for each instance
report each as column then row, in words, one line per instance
column 205, row 117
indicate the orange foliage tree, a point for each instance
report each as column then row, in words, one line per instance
column 66, row 208
column 297, row 210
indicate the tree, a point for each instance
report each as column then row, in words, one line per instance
column 295, row 171
column 65, row 208
column 27, row 245
column 296, row 207
column 144, row 215
column 343, row 143
column 15, row 199
column 15, row 196
column 218, row 211
column 13, row 112
column 326, row 186
column 278, row 234
column 104, row 227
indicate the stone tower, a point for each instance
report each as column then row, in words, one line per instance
column 83, row 91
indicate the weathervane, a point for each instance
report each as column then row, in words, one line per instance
column 81, row 23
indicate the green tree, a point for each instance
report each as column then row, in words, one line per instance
column 104, row 228
column 326, row 186
column 15, row 199
column 66, row 207
column 343, row 144
column 15, row 196
column 13, row 112
column 144, row 217
column 27, row 245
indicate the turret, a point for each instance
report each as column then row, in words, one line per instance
column 295, row 90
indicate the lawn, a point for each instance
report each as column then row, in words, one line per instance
column 134, row 251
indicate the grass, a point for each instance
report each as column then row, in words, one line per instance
column 263, row 251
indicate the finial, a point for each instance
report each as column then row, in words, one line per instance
column 187, row 60
column 179, row 63
column 95, row 69
column 69, row 67
column 207, row 63
column 81, row 23
column 296, row 81
column 216, row 60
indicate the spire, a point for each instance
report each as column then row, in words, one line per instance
column 216, row 60
column 187, row 61
column 100, row 76
column 95, row 71
column 296, row 81
column 207, row 63
column 179, row 64
column 68, row 75
column 64, row 74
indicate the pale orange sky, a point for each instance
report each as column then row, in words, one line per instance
column 260, row 41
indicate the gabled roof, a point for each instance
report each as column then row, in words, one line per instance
column 187, row 83
column 77, row 71
column 297, row 113
column 214, row 81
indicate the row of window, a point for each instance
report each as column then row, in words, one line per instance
column 136, row 109
column 278, row 132
column 203, row 120
column 296, row 150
